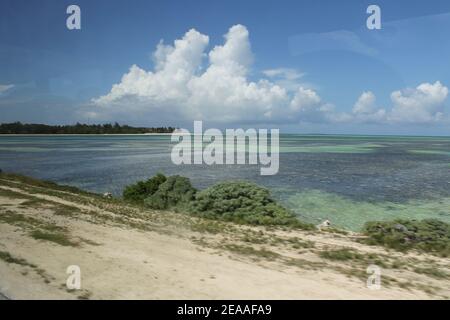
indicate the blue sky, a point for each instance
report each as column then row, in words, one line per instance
column 302, row 66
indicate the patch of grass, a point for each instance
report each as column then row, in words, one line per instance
column 432, row 272
column 297, row 243
column 65, row 210
column 352, row 272
column 341, row 254
column 43, row 183
column 349, row 254
column 26, row 222
column 250, row 251
column 34, row 203
column 256, row 238
column 431, row 290
column 16, row 219
column 14, row 195
column 56, row 237
column 305, row 264
column 10, row 217
column 8, row 258
column 206, row 226
column 396, row 264
column 58, row 208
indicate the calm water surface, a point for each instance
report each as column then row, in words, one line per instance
column 347, row 179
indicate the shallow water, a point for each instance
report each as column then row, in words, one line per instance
column 347, row 179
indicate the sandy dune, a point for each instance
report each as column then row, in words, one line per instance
column 130, row 254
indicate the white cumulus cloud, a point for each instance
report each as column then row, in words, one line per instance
column 423, row 104
column 365, row 109
column 183, row 86
column 188, row 82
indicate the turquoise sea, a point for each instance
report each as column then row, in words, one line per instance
column 346, row 179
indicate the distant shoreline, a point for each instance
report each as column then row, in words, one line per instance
column 84, row 134
column 78, row 128
column 178, row 133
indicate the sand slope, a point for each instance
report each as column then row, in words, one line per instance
column 127, row 253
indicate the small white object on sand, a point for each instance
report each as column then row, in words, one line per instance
column 107, row 195
column 324, row 225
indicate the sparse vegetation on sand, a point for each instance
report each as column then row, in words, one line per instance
column 244, row 203
column 251, row 251
column 8, row 258
column 60, row 238
column 341, row 254
column 44, row 184
column 234, row 229
column 349, row 254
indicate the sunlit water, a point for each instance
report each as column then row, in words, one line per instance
column 347, row 179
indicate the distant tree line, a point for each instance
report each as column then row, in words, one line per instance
column 32, row 128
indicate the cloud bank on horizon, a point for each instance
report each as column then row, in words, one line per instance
column 5, row 87
column 181, row 86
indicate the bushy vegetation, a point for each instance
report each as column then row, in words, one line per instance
column 174, row 191
column 141, row 190
column 161, row 192
column 429, row 235
column 237, row 201
column 241, row 202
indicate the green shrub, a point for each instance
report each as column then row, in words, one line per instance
column 142, row 189
column 242, row 202
column 176, row 190
column 428, row 235
column 237, row 201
